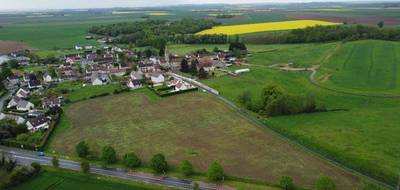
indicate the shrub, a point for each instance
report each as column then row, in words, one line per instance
column 286, row 183
column 85, row 166
column 109, row 155
column 55, row 162
column 187, row 168
column 325, row 183
column 159, row 163
column 36, row 167
column 196, row 186
column 82, row 149
column 131, row 160
column 215, row 172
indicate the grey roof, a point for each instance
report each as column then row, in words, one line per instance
column 38, row 121
column 103, row 77
column 137, row 74
column 22, row 103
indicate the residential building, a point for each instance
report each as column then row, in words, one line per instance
column 157, row 78
column 51, row 102
column 23, row 93
column 38, row 123
column 24, row 105
column 100, row 78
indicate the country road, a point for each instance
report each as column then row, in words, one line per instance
column 27, row 157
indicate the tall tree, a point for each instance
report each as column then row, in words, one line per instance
column 108, row 154
column 203, row 73
column 82, row 149
column 131, row 160
column 187, row 168
column 184, row 66
column 381, row 24
column 215, row 172
column 159, row 163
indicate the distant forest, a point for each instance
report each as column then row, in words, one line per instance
column 154, row 32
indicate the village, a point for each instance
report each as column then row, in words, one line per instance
column 33, row 100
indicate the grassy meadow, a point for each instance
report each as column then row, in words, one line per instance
column 184, row 127
column 363, row 136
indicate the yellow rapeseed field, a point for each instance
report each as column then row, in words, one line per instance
column 263, row 27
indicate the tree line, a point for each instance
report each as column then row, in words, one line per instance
column 151, row 32
column 331, row 33
column 275, row 101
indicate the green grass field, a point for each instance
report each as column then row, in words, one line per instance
column 364, row 67
column 77, row 92
column 59, row 179
column 184, row 127
column 364, row 137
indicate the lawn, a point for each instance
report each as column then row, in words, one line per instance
column 184, row 127
column 366, row 136
column 262, row 27
column 79, row 92
column 59, row 179
column 364, row 67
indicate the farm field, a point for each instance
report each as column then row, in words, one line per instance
column 363, row 135
column 262, row 27
column 59, row 179
column 148, row 125
column 48, row 36
column 364, row 67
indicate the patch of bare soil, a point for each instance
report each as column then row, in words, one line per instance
column 12, row 46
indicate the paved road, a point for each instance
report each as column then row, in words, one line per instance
column 27, row 157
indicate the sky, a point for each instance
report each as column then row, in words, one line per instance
column 84, row 4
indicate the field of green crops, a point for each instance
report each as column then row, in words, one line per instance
column 364, row 67
column 364, row 135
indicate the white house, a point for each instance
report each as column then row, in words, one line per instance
column 23, row 93
column 4, row 58
column 37, row 123
column 100, row 78
column 78, row 47
column 47, row 78
column 157, row 78
column 134, row 84
column 239, row 71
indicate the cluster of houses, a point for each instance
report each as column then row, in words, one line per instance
column 98, row 68
column 19, row 56
column 19, row 107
